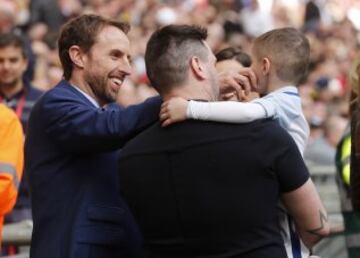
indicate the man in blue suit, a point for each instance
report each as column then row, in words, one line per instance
column 71, row 146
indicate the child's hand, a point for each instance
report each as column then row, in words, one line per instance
column 233, row 96
column 173, row 110
column 241, row 82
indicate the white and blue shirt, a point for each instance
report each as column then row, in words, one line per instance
column 284, row 105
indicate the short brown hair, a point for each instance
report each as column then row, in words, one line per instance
column 82, row 31
column 288, row 50
column 13, row 40
column 168, row 54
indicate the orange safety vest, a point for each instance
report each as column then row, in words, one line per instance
column 11, row 160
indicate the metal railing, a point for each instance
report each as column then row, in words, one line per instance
column 17, row 233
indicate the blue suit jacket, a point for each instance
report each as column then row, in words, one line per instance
column 71, row 161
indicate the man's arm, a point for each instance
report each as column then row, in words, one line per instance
column 305, row 207
column 297, row 190
column 79, row 128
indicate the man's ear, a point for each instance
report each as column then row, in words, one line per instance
column 197, row 67
column 266, row 66
column 76, row 56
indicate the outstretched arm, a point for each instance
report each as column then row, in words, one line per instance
column 230, row 82
column 227, row 111
column 178, row 109
column 76, row 127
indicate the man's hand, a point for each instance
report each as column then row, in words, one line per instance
column 173, row 110
column 242, row 82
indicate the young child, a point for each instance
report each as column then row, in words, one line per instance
column 279, row 60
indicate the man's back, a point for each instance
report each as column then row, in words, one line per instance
column 210, row 190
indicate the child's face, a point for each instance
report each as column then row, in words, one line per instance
column 257, row 66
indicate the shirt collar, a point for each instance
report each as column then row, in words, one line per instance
column 289, row 88
column 91, row 99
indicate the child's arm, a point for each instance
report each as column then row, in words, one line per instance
column 177, row 109
column 226, row 111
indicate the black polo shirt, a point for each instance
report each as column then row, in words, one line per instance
column 204, row 189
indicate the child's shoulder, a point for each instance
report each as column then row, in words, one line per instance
column 287, row 96
column 286, row 91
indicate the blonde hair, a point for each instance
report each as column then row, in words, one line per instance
column 288, row 50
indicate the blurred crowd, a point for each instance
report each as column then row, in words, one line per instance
column 332, row 27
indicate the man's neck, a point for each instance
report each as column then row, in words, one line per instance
column 84, row 87
column 189, row 93
column 9, row 91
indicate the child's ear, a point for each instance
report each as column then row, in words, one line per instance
column 197, row 67
column 266, row 65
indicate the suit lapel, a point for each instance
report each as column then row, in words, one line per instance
column 66, row 85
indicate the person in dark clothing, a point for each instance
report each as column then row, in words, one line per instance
column 355, row 140
column 72, row 143
column 355, row 160
column 17, row 93
column 47, row 12
column 312, row 17
column 203, row 189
